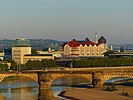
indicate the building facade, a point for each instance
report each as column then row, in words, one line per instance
column 39, row 57
column 85, row 48
column 20, row 48
column 21, row 52
column 2, row 55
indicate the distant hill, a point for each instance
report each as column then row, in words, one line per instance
column 44, row 44
column 39, row 44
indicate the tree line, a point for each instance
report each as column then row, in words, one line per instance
column 34, row 65
column 82, row 63
column 102, row 62
column 3, row 67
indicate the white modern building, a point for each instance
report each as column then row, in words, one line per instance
column 20, row 48
column 21, row 52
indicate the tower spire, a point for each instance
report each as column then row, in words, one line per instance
column 111, row 47
column 96, row 37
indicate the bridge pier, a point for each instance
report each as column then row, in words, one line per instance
column 44, row 85
column 48, row 94
column 44, row 80
column 96, row 81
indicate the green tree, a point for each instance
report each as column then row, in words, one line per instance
column 13, row 65
column 3, row 67
column 34, row 51
column 108, row 53
column 121, row 49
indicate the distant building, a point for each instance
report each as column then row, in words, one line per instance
column 21, row 42
column 125, row 54
column 39, row 57
column 85, row 48
column 21, row 52
column 8, row 53
column 55, row 53
column 2, row 55
column 20, row 48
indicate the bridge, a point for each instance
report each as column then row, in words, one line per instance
column 98, row 76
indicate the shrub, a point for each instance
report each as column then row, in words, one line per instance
column 125, row 93
column 107, row 89
column 112, row 88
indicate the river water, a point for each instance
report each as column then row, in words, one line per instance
column 23, row 89
column 31, row 93
column 28, row 89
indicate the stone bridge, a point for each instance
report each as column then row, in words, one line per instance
column 29, row 75
column 97, row 76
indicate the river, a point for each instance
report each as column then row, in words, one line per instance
column 28, row 89
column 23, row 89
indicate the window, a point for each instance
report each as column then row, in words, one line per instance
column 16, row 54
column 16, row 51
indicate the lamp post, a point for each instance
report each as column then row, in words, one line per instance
column 17, row 68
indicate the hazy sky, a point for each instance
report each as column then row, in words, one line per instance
column 67, row 19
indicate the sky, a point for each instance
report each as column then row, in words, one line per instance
column 67, row 19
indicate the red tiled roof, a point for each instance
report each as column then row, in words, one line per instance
column 97, row 44
column 75, row 43
column 89, row 43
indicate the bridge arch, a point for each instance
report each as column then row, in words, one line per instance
column 106, row 76
column 46, row 82
column 75, row 79
column 30, row 76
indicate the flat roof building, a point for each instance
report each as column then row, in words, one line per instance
column 39, row 57
column 21, row 42
column 20, row 48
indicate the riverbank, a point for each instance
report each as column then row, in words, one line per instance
column 98, row 93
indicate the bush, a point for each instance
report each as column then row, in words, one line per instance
column 107, row 89
column 112, row 88
column 125, row 94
